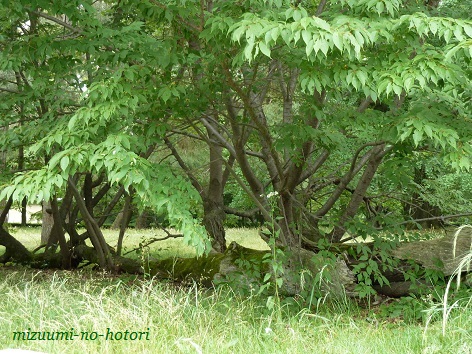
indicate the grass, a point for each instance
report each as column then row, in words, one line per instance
column 192, row 320
column 249, row 238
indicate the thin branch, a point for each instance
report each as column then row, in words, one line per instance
column 56, row 20
column 217, row 134
column 364, row 104
column 442, row 217
column 353, row 170
column 256, row 200
column 151, row 241
column 311, row 169
column 195, row 183
column 241, row 213
column 211, row 141
column 110, row 206
column 320, row 8
column 359, row 150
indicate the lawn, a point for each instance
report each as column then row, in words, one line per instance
column 162, row 249
column 186, row 319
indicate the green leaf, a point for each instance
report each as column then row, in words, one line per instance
column 468, row 30
column 309, row 48
column 417, row 137
column 428, row 131
column 297, row 15
column 433, row 26
column 324, row 46
column 408, row 83
column 238, row 33
column 266, row 278
column 264, row 49
column 64, row 162
column 362, row 76
column 165, row 93
column 248, row 51
column 319, row 22
column 458, row 33
column 307, row 37
column 380, row 6
column 275, row 33
column 129, row 74
column 337, row 40
column 397, row 89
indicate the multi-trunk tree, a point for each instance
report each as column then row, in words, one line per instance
column 322, row 94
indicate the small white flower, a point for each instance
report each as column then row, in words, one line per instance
column 272, row 194
column 268, row 330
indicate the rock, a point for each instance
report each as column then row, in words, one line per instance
column 443, row 254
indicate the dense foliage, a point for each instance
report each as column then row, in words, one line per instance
column 323, row 117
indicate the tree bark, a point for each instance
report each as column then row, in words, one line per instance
column 47, row 222
column 96, row 236
column 14, row 249
column 59, row 231
column 118, row 220
column 142, row 221
column 5, row 210
column 213, row 205
column 110, row 206
column 359, row 193
column 127, row 214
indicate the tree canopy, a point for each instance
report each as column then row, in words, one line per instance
column 322, row 113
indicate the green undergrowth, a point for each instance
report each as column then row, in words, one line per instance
column 187, row 319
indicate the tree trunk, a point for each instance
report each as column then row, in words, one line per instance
column 213, row 204
column 142, row 221
column 24, row 202
column 93, row 230
column 88, row 193
column 213, row 220
column 289, row 235
column 47, row 222
column 59, row 231
column 14, row 249
column 24, row 214
column 5, row 209
column 118, row 221
column 127, row 214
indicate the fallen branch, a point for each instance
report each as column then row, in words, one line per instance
column 151, row 241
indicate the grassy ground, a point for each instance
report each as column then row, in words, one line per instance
column 178, row 319
column 189, row 320
column 162, row 249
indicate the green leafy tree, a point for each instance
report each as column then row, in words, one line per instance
column 357, row 83
column 303, row 101
column 90, row 110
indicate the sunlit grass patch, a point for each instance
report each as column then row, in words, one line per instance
column 193, row 320
column 135, row 239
